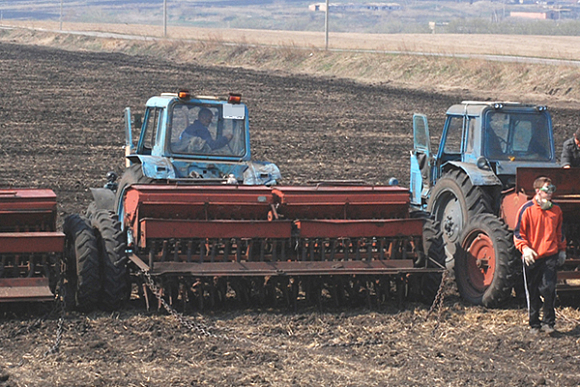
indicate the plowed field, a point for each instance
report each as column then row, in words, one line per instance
column 61, row 128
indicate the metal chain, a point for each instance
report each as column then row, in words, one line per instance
column 59, row 300
column 438, row 302
column 59, row 330
column 200, row 329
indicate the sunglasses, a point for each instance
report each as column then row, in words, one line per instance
column 549, row 189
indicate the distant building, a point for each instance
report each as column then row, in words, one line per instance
column 350, row 6
column 317, row 7
column 433, row 25
column 547, row 15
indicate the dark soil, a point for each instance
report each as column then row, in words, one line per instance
column 61, row 128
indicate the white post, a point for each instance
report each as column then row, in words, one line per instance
column 60, row 17
column 503, row 10
column 164, row 18
column 326, row 26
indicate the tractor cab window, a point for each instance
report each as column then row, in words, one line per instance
column 497, row 135
column 453, row 135
column 518, row 136
column 149, row 135
column 472, row 124
column 203, row 130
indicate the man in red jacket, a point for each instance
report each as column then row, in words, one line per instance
column 538, row 235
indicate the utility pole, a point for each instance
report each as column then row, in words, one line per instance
column 503, row 10
column 326, row 26
column 164, row 18
column 60, row 17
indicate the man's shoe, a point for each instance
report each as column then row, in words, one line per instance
column 548, row 329
column 534, row 331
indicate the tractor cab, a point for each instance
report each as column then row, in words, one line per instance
column 195, row 127
column 487, row 140
column 191, row 138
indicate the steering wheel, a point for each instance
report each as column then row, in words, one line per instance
column 502, row 141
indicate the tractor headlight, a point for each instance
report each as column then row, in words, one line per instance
column 482, row 163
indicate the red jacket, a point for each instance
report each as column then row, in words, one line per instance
column 539, row 229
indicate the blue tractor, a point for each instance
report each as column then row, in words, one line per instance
column 488, row 157
column 184, row 140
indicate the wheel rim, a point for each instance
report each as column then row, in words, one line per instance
column 480, row 262
column 450, row 216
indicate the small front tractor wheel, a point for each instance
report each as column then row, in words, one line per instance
column 486, row 263
column 83, row 271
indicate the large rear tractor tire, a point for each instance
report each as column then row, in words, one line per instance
column 83, row 271
column 91, row 209
column 486, row 264
column 111, row 243
column 132, row 175
column 453, row 202
column 434, row 250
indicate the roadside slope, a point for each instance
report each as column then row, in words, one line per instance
column 289, row 52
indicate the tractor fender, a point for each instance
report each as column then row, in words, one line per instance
column 104, row 198
column 477, row 175
column 156, row 167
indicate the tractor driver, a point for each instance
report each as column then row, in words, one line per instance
column 571, row 152
column 199, row 130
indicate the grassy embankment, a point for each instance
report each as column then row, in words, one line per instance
column 303, row 52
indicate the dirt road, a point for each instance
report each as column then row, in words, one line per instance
column 61, row 128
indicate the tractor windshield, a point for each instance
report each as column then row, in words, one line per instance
column 517, row 136
column 203, row 130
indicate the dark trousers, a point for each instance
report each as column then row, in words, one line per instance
column 540, row 280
